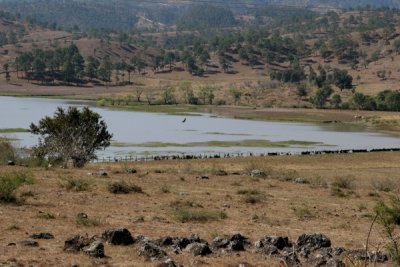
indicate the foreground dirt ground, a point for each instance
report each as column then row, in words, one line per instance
column 298, row 196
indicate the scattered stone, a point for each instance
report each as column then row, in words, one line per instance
column 10, row 163
column 279, row 242
column 151, row 251
column 270, row 250
column 198, row 249
column 95, row 249
column 204, row 177
column 77, row 243
column 11, row 244
column 102, row 173
column 257, row 173
column 183, row 193
column 237, row 242
column 361, row 255
column 338, row 251
column 301, row 180
column 42, row 236
column 29, row 243
column 74, row 265
column 82, row 216
column 220, row 242
column 335, row 263
column 313, row 241
column 291, row 259
column 165, row 241
column 169, row 263
column 131, row 170
column 118, row 236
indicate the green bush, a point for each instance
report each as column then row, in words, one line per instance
column 185, row 211
column 10, row 182
column 122, row 187
column 76, row 185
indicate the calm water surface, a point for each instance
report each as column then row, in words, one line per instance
column 131, row 128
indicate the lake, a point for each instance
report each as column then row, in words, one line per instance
column 141, row 133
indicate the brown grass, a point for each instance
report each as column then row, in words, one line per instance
column 290, row 209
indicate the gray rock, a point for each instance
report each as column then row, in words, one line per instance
column 269, row 250
column 42, row 236
column 118, row 236
column 377, row 256
column 198, row 249
column 151, row 251
column 131, row 170
column 257, row 173
column 29, row 243
column 77, row 243
column 313, row 241
column 82, row 216
column 279, row 242
column 301, row 180
column 220, row 242
column 291, row 259
column 335, row 263
column 95, row 249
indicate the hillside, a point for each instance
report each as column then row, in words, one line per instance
column 281, row 63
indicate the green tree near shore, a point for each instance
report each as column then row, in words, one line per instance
column 71, row 136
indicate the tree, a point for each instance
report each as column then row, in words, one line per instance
column 71, row 135
column 321, row 96
column 336, row 101
column 342, row 79
column 92, row 68
column 6, row 72
column 236, row 94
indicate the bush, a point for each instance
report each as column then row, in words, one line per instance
column 185, row 211
column 344, row 182
column 10, row 182
column 122, row 187
column 7, row 152
column 251, row 196
column 76, row 185
column 385, row 185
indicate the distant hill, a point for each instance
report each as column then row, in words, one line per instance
column 124, row 15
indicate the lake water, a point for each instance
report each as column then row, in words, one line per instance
column 130, row 128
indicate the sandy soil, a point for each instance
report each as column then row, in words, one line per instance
column 288, row 209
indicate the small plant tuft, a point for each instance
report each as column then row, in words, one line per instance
column 77, row 185
column 165, row 189
column 88, row 222
column 123, row 187
column 303, row 213
column 251, row 196
column 188, row 211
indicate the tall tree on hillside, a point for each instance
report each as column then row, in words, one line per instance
column 92, row 68
column 6, row 72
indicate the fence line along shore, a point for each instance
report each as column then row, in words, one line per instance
column 183, row 156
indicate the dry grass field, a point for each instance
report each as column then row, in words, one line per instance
column 331, row 194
